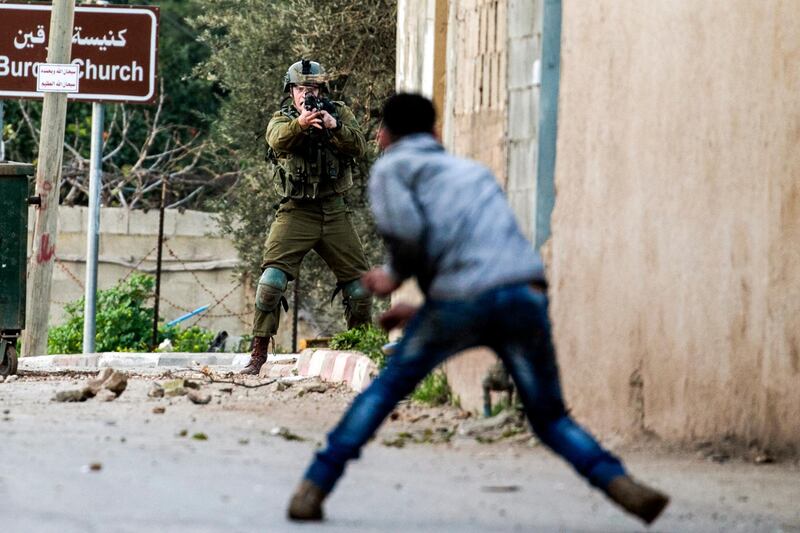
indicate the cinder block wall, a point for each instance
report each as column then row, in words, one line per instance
column 492, row 115
column 489, row 112
column 676, row 231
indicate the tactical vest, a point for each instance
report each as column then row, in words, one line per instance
column 313, row 170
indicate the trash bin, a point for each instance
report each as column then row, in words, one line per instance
column 14, row 201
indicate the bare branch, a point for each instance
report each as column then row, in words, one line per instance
column 154, row 129
column 187, row 198
column 23, row 107
column 123, row 136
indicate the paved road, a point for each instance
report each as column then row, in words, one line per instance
column 152, row 479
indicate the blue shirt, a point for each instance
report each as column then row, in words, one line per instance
column 447, row 222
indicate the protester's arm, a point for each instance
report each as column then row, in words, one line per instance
column 347, row 137
column 284, row 133
column 398, row 218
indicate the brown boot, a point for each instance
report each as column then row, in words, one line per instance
column 306, row 502
column 637, row 498
column 258, row 357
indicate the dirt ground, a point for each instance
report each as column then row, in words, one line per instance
column 166, row 464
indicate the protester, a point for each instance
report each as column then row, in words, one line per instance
column 447, row 223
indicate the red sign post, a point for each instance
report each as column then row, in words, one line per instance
column 114, row 47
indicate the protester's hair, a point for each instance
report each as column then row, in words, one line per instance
column 407, row 113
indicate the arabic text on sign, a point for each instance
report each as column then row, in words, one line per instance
column 104, row 42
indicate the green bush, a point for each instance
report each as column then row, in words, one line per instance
column 122, row 320
column 432, row 390
column 124, row 323
column 366, row 339
column 191, row 339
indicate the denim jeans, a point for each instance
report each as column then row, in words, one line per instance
column 512, row 320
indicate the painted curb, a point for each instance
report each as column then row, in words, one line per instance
column 353, row 368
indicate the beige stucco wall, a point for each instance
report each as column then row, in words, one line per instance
column 676, row 232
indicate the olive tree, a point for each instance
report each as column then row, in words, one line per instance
column 252, row 43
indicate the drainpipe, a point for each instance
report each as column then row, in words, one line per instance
column 548, row 119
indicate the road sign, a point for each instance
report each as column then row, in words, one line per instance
column 54, row 78
column 115, row 49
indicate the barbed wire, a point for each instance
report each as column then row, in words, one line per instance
column 69, row 274
column 230, row 313
column 217, row 301
column 135, row 267
column 204, row 315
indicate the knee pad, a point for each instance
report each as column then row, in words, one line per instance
column 355, row 290
column 357, row 303
column 270, row 289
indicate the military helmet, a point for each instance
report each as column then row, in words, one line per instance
column 305, row 72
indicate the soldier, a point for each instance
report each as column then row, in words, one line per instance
column 447, row 223
column 313, row 144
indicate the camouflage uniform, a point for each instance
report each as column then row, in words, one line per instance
column 312, row 170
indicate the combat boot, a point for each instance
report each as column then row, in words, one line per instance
column 637, row 498
column 258, row 357
column 306, row 503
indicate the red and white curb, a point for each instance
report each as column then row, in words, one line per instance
column 353, row 368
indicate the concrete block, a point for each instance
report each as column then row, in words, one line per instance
column 522, row 55
column 75, row 361
column 131, row 248
column 240, row 360
column 141, row 223
column 71, row 246
column 524, row 17
column 123, row 360
column 520, row 106
column 189, row 359
column 522, row 164
column 114, row 220
column 523, row 204
column 194, row 223
column 72, row 219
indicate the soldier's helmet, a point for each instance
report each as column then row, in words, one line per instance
column 305, row 72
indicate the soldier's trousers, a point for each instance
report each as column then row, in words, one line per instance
column 304, row 225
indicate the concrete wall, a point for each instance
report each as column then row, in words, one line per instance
column 676, row 230
column 128, row 240
column 524, row 50
column 200, row 272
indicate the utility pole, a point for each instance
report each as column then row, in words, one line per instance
column 48, row 177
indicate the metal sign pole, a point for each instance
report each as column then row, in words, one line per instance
column 2, row 137
column 158, row 260
column 93, row 231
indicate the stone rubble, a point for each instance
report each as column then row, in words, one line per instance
column 106, row 386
